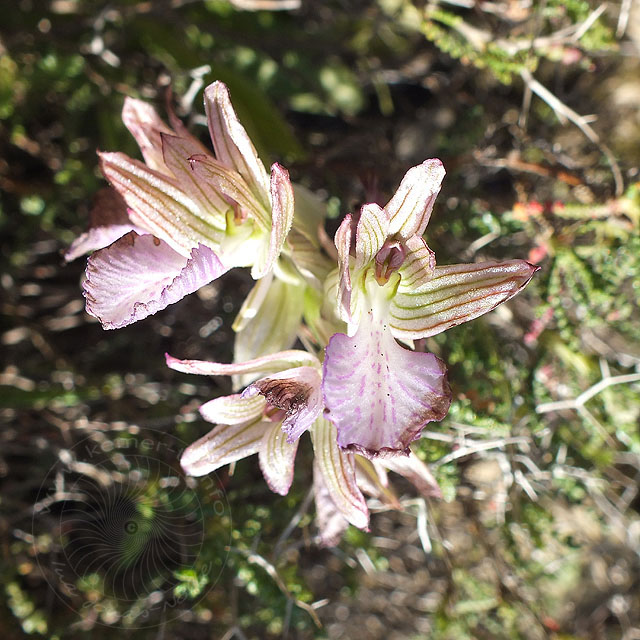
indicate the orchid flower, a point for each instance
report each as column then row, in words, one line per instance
column 190, row 216
column 269, row 417
column 387, row 287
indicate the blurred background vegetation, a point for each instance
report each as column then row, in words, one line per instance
column 534, row 109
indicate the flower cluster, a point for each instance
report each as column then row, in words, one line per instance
column 186, row 215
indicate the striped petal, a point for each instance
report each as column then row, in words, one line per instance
column 230, row 184
column 233, row 409
column 176, row 152
column 282, row 208
column 331, row 523
column 138, row 276
column 222, row 445
column 232, row 145
column 379, row 394
column 297, row 392
column 265, row 364
column 418, row 266
column 337, row 470
column 158, row 203
column 456, row 294
column 371, row 233
column 411, row 206
column 343, row 245
column 277, row 457
column 414, row 470
column 146, row 127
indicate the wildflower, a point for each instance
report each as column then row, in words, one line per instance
column 379, row 394
column 269, row 417
column 190, row 216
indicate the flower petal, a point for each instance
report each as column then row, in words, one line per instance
column 159, row 204
column 276, row 457
column 337, row 470
column 274, row 327
column 378, row 394
column 231, row 185
column 295, row 391
column 176, row 152
column 138, row 276
column 108, row 221
column 233, row 409
column 282, row 207
column 222, row 445
column 411, row 206
column 373, row 481
column 343, row 245
column 456, row 294
column 265, row 364
column 232, row 145
column 414, row 470
column 418, row 266
column 331, row 523
column 371, row 233
column 146, row 127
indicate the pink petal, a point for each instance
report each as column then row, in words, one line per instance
column 297, row 392
column 108, row 221
column 411, row 206
column 331, row 523
column 418, row 266
column 265, row 364
column 158, row 204
column 232, row 145
column 343, row 245
column 146, row 126
column 276, row 458
column 282, row 207
column 222, row 445
column 138, row 276
column 371, row 233
column 414, row 470
column 336, row 468
column 379, row 394
column 456, row 294
column 176, row 152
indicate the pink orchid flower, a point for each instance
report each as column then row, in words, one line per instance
column 188, row 216
column 269, row 417
column 379, row 394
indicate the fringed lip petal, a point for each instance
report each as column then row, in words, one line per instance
column 158, row 204
column 337, row 470
column 233, row 409
column 232, row 145
column 379, row 394
column 282, row 208
column 138, row 276
column 410, row 207
column 456, row 294
column 265, row 364
column 297, row 392
column 276, row 458
column 222, row 445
